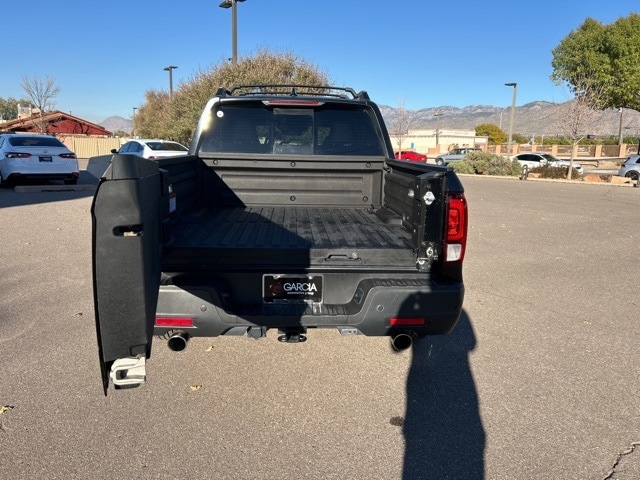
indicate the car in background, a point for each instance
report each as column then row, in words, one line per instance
column 533, row 159
column 152, row 148
column 455, row 155
column 31, row 156
column 630, row 168
column 411, row 155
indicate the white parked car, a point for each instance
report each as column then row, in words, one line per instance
column 152, row 148
column 36, row 157
column 533, row 160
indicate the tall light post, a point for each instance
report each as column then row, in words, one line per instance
column 233, row 4
column 513, row 109
column 170, row 70
column 620, row 139
column 501, row 117
column 438, row 114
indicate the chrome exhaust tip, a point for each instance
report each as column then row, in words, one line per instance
column 402, row 341
column 178, row 341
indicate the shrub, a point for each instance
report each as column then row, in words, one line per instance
column 482, row 163
column 463, row 167
column 547, row 171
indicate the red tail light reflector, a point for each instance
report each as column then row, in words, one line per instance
column 406, row 321
column 67, row 155
column 17, row 155
column 174, row 322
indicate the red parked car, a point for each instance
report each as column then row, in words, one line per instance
column 411, row 156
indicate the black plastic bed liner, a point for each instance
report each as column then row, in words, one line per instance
column 290, row 236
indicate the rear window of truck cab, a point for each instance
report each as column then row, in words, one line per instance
column 322, row 130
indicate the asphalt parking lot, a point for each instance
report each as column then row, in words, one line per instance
column 538, row 380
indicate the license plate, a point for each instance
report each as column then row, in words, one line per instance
column 46, row 159
column 292, row 289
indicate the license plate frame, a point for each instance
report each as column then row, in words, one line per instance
column 292, row 288
column 46, row 158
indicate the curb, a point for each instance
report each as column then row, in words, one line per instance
column 53, row 188
column 548, row 180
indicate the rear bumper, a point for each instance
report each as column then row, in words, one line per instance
column 369, row 312
column 15, row 177
column 14, row 170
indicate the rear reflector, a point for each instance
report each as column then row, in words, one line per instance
column 406, row 321
column 174, row 322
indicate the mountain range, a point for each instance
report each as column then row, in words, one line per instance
column 116, row 124
column 535, row 118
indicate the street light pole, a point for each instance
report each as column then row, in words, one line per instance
column 437, row 115
column 233, row 4
column 133, row 121
column 620, row 139
column 501, row 117
column 170, row 70
column 513, row 108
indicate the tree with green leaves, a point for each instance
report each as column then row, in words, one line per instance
column 153, row 119
column 176, row 117
column 9, row 108
column 495, row 134
column 603, row 58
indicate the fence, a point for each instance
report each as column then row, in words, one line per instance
column 581, row 151
column 86, row 147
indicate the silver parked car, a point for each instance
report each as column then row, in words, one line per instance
column 630, row 168
column 455, row 154
column 533, row 159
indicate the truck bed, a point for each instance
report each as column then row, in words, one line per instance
column 289, row 237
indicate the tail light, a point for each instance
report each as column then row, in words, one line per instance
column 456, row 237
column 17, row 155
column 68, row 155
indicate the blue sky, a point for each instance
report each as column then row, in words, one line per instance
column 423, row 53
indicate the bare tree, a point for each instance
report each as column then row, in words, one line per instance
column 41, row 92
column 403, row 121
column 577, row 113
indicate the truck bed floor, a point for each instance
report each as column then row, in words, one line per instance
column 293, row 234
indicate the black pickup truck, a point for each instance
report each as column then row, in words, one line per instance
column 288, row 213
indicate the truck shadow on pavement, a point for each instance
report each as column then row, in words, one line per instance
column 443, row 430
column 37, row 192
